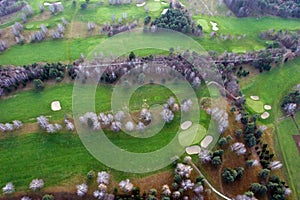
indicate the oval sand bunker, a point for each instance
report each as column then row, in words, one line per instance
column 185, row 125
column 206, row 141
column 255, row 98
column 55, row 106
column 193, row 150
column 267, row 107
column 265, row 115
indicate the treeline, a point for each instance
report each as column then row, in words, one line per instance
column 10, row 6
column 13, row 77
column 244, row 8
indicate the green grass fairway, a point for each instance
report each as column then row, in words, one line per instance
column 256, row 106
column 154, row 6
column 287, row 128
column 53, row 157
column 204, row 25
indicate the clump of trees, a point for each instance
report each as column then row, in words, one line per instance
column 230, row 175
column 9, row 127
column 244, row 8
column 177, row 20
column 3, row 46
column 10, row 6
column 119, row 2
column 291, row 102
column 56, row 7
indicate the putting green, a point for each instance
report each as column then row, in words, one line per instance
column 256, row 106
column 154, row 6
column 239, row 50
column 191, row 135
column 204, row 24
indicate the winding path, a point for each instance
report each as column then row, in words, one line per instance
column 208, row 183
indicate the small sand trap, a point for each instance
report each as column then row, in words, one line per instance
column 141, row 4
column 265, row 115
column 206, row 141
column 164, row 11
column 214, row 26
column 255, row 98
column 163, row 3
column 267, row 107
column 185, row 125
column 55, row 106
column 193, row 150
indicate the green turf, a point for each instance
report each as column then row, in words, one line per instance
column 154, row 6
column 204, row 25
column 256, row 106
column 286, row 129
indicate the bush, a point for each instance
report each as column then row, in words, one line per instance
column 38, row 84
column 48, row 197
column 83, row 6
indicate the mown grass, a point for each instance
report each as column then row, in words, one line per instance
column 70, row 49
column 58, row 158
column 287, row 129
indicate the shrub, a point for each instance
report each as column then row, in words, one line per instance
column 48, row 197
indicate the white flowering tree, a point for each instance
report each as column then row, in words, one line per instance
column 166, row 190
column 167, row 115
column 69, row 125
column 238, row 148
column 126, row 186
column 103, row 177
column 99, row 194
column 129, row 126
column 205, row 156
column 145, row 115
column 141, row 127
column 116, row 126
column 186, row 105
column 82, row 189
column 17, row 124
column 9, row 188
column 183, row 170
column 36, row 184
column 187, row 184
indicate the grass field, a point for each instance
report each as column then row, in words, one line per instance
column 57, row 157
column 271, row 87
column 287, row 128
column 69, row 49
column 256, row 106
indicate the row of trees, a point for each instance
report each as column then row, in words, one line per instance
column 10, row 6
column 13, row 77
column 52, row 128
column 9, row 127
column 35, row 185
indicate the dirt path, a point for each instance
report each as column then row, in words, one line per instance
column 208, row 183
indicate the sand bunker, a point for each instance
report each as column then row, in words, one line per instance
column 141, row 4
column 55, row 106
column 255, row 98
column 163, row 3
column 265, row 115
column 214, row 26
column 267, row 107
column 164, row 11
column 48, row 4
column 206, row 141
column 185, row 125
column 193, row 150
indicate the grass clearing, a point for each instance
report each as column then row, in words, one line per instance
column 256, row 106
column 287, row 129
